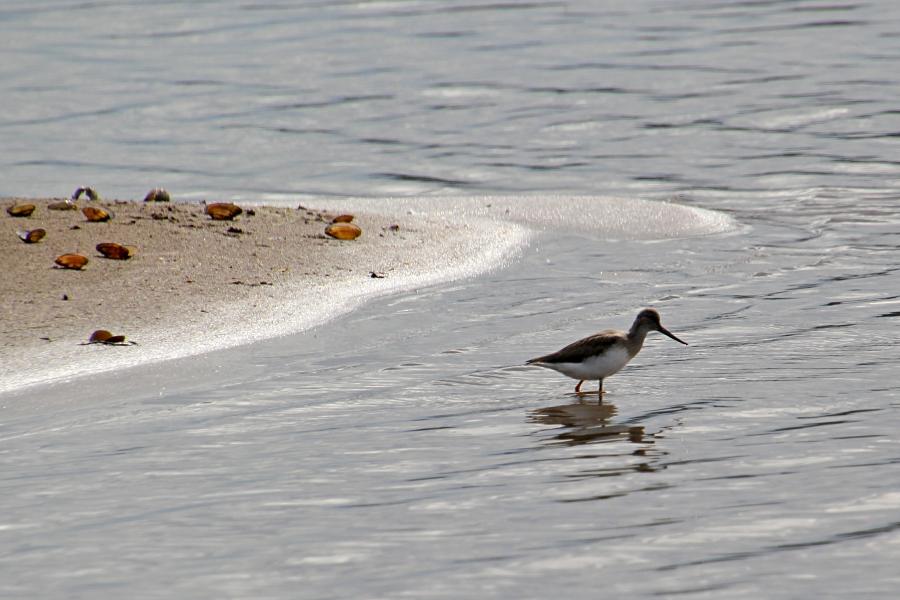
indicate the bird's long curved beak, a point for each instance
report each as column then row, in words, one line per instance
column 665, row 331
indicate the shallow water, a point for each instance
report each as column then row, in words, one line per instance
column 403, row 450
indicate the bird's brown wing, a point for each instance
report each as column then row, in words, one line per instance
column 582, row 349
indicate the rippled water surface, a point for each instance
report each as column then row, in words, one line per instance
column 403, row 450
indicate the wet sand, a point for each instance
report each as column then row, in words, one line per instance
column 185, row 266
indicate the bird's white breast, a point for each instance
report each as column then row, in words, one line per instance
column 596, row 367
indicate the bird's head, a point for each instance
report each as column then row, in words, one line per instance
column 648, row 320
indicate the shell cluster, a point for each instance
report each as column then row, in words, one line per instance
column 87, row 200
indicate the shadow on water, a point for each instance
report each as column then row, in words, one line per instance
column 585, row 423
column 626, row 449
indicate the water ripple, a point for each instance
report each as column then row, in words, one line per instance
column 406, row 453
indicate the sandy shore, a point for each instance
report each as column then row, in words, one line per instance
column 185, row 266
column 195, row 285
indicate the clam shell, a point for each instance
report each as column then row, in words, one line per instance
column 87, row 191
column 157, row 195
column 20, row 210
column 63, row 205
column 223, row 211
column 95, row 215
column 101, row 335
column 71, row 261
column 343, row 231
column 115, row 251
column 33, row 236
column 342, row 219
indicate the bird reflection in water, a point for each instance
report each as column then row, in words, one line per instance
column 586, row 423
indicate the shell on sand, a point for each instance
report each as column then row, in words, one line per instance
column 95, row 215
column 63, row 205
column 71, row 261
column 20, row 210
column 157, row 195
column 33, row 236
column 343, row 231
column 101, row 335
column 223, row 211
column 115, row 251
column 92, row 195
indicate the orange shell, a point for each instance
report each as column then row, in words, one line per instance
column 101, row 335
column 33, row 236
column 342, row 219
column 223, row 211
column 343, row 231
column 71, row 261
column 115, row 251
column 94, row 214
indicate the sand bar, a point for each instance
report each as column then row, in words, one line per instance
column 193, row 283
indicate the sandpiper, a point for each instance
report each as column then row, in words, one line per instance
column 600, row 355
